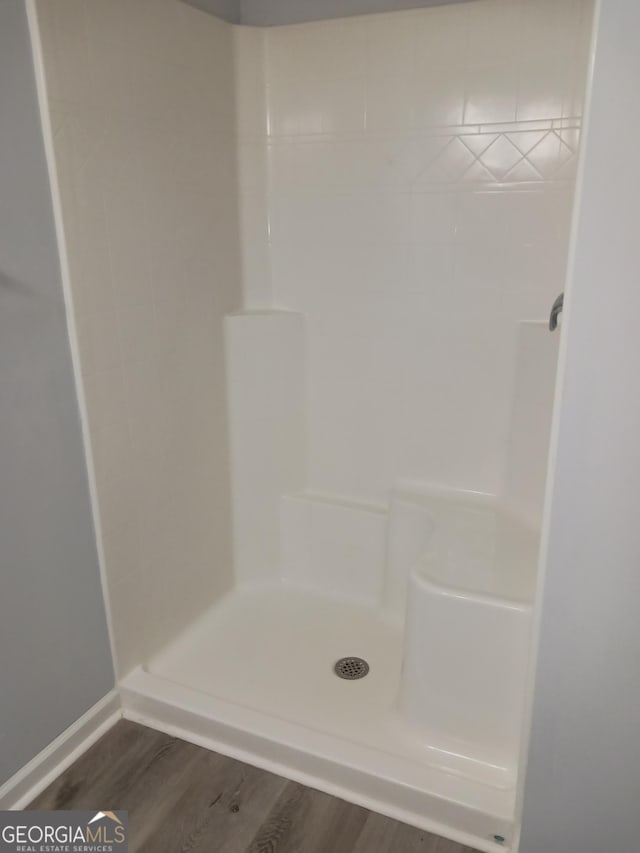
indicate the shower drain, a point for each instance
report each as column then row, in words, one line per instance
column 351, row 668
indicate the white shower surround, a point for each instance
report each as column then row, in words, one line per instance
column 389, row 168
column 142, row 105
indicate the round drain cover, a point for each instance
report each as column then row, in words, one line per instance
column 351, row 668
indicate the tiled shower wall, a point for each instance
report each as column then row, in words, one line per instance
column 142, row 101
column 403, row 180
column 420, row 180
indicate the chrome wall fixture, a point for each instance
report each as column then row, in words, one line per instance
column 556, row 309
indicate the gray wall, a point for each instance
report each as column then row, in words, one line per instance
column 269, row 13
column 54, row 652
column 583, row 783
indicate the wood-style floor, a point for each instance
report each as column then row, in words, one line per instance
column 183, row 798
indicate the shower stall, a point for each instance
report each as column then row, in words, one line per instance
column 310, row 269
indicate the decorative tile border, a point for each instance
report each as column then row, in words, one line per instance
column 485, row 155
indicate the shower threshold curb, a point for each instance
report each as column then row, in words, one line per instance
column 431, row 799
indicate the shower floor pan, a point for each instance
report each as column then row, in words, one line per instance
column 254, row 679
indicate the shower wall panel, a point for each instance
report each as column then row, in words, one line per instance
column 421, row 173
column 142, row 102
column 536, row 361
column 251, row 121
column 266, row 372
column 400, row 184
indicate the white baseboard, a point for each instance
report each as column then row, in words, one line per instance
column 35, row 776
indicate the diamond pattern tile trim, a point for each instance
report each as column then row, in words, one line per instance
column 502, row 158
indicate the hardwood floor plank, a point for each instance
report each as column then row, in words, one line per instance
column 220, row 809
column 304, row 819
column 383, row 835
column 154, row 795
column 107, row 762
column 145, row 780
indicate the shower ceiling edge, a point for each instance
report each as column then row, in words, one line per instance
column 270, row 13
